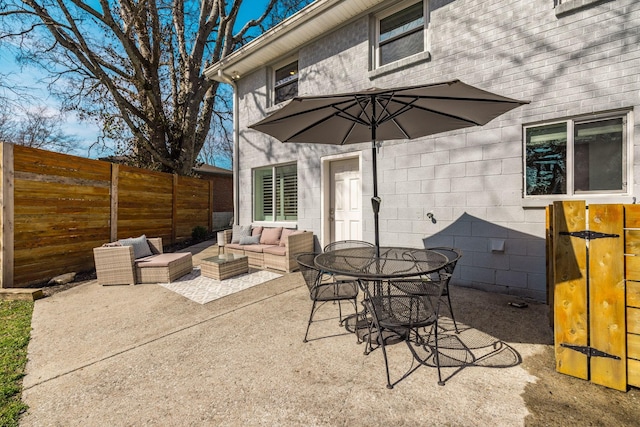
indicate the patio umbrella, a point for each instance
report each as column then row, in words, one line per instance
column 384, row 114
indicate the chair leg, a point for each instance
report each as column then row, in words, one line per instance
column 313, row 308
column 368, row 347
column 357, row 318
column 386, row 361
column 437, row 355
column 453, row 317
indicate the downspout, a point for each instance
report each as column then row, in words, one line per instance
column 236, row 145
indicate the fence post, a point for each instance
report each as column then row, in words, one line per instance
column 174, row 210
column 210, row 206
column 7, row 212
column 550, row 262
column 113, row 193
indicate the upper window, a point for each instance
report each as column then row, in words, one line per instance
column 286, row 82
column 401, row 33
column 566, row 6
column 577, row 156
column 276, row 193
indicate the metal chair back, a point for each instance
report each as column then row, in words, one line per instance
column 453, row 255
column 408, row 308
column 324, row 287
column 346, row 244
column 309, row 272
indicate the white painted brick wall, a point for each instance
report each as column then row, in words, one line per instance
column 471, row 180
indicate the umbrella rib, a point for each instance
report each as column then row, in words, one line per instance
column 353, row 118
column 460, row 98
column 411, row 104
column 339, row 111
column 392, row 116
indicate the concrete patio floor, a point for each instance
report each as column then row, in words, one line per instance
column 143, row 355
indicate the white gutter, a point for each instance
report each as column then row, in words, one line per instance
column 236, row 144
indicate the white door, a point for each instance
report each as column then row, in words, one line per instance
column 345, row 212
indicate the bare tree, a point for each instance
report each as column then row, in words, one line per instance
column 6, row 127
column 218, row 145
column 38, row 128
column 136, row 66
column 23, row 124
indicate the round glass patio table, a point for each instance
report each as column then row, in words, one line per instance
column 393, row 262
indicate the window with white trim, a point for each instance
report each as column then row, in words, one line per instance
column 577, row 156
column 401, row 32
column 285, row 82
column 568, row 6
column 275, row 193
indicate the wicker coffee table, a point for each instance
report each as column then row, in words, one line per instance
column 224, row 266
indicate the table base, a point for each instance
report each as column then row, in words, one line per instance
column 361, row 328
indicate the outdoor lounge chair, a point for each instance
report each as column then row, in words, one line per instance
column 117, row 263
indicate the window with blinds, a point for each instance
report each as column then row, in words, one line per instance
column 401, row 34
column 276, row 193
column 286, row 82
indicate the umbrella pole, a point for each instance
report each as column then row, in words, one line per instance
column 375, row 200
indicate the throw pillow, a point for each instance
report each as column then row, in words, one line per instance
column 271, row 236
column 256, row 231
column 240, row 231
column 250, row 240
column 286, row 232
column 140, row 246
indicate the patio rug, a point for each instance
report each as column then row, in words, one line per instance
column 204, row 289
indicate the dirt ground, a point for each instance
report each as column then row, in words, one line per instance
column 560, row 400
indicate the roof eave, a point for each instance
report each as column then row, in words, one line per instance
column 304, row 26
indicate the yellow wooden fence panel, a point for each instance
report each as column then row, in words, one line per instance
column 607, row 296
column 570, row 284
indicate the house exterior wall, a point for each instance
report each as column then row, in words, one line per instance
column 581, row 62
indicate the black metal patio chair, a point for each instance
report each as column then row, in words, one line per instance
column 408, row 309
column 324, row 288
column 345, row 244
column 453, row 255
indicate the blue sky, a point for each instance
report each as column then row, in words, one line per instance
column 86, row 132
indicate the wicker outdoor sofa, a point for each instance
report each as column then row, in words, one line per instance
column 129, row 261
column 269, row 247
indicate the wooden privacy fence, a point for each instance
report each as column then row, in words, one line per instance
column 594, row 271
column 56, row 208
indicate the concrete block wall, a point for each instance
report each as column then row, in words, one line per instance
column 570, row 64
